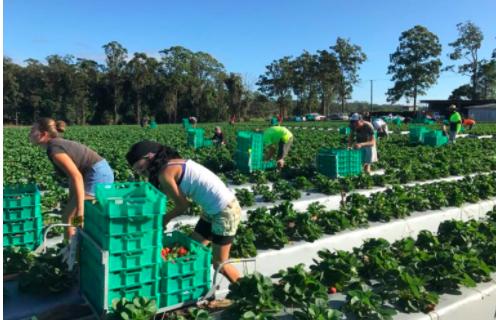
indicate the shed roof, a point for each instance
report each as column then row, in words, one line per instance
column 484, row 106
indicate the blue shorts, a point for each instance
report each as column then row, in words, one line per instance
column 99, row 173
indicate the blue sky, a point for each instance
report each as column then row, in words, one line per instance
column 244, row 35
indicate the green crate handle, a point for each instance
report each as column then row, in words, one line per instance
column 133, row 254
column 138, row 219
column 134, row 235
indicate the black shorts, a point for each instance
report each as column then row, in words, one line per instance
column 204, row 228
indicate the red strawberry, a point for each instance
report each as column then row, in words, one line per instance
column 332, row 290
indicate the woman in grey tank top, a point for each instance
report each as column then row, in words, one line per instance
column 165, row 168
column 83, row 166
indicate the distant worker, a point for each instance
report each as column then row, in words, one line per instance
column 363, row 132
column 232, row 121
column 279, row 119
column 280, row 136
column 145, row 121
column 381, row 127
column 193, row 121
column 218, row 137
column 468, row 123
column 455, row 123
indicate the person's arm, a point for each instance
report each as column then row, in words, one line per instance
column 169, row 185
column 64, row 162
column 350, row 138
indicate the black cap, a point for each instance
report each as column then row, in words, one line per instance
column 140, row 149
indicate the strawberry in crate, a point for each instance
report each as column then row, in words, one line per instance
column 174, row 252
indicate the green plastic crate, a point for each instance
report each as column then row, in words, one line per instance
column 345, row 130
column 30, row 239
column 122, row 278
column 129, row 199
column 127, row 242
column 96, row 222
column 21, row 195
column 181, row 283
column 336, row 163
column 186, row 123
column 21, row 213
column 435, row 140
column 17, row 226
column 207, row 143
column 199, row 257
column 94, row 291
column 182, row 297
column 123, row 260
column 249, row 141
column 196, row 137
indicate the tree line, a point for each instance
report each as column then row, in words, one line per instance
column 182, row 83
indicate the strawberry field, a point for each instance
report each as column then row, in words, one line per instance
column 410, row 241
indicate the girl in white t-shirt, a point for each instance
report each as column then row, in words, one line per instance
column 182, row 179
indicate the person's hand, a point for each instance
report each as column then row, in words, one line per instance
column 280, row 163
column 358, row 145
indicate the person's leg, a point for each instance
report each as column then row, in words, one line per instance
column 220, row 255
column 224, row 227
column 203, row 231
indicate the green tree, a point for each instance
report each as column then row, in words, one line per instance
column 414, row 65
column 349, row 58
column 141, row 73
column 463, row 92
column 234, row 84
column 466, row 47
column 87, row 81
column 116, row 56
column 175, row 71
column 304, row 81
column 276, row 83
column 328, row 75
column 11, row 89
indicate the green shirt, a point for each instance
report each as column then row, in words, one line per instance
column 275, row 134
column 455, row 122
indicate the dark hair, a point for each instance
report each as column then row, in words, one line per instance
column 162, row 157
column 163, row 154
column 51, row 126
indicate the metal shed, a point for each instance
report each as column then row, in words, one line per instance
column 485, row 113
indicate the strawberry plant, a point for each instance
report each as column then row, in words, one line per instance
column 268, row 230
column 17, row 259
column 296, row 286
column 252, row 293
column 243, row 245
column 365, row 304
column 48, row 274
column 336, row 269
column 245, row 197
column 317, row 310
column 139, row 309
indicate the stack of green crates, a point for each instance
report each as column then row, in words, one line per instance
column 196, row 138
column 435, row 138
column 417, row 134
column 120, row 252
column 186, row 124
column 22, row 220
column 336, row 163
column 345, row 130
column 185, row 279
column 249, row 155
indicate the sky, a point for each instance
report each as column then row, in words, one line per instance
column 245, row 36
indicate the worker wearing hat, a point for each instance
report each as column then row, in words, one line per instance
column 455, row 123
column 363, row 132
